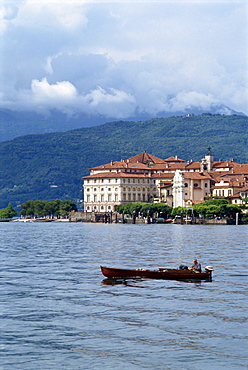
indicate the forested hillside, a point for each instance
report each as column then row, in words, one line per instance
column 49, row 166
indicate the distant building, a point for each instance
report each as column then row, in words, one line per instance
column 147, row 178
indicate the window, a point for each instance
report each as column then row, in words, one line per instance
column 95, row 198
column 88, row 189
column 116, row 197
column 109, row 189
column 102, row 198
column 94, row 189
column 206, row 184
column 109, row 198
column 88, row 198
column 102, row 189
column 186, row 185
column 128, row 181
column 129, row 196
column 195, row 185
column 109, row 180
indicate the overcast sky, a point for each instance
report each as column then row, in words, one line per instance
column 116, row 58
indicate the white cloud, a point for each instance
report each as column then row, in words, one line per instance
column 39, row 13
column 114, row 103
column 148, row 57
column 43, row 91
column 186, row 100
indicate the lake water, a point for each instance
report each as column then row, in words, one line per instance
column 58, row 313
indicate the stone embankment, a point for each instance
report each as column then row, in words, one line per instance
column 118, row 218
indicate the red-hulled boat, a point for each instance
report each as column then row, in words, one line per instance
column 161, row 273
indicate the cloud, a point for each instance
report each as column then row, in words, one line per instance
column 114, row 103
column 187, row 100
column 113, row 59
column 42, row 90
column 64, row 97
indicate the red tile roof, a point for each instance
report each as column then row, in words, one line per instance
column 145, row 158
column 174, row 159
column 197, row 175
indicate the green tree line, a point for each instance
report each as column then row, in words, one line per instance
column 55, row 207
column 145, row 209
column 209, row 208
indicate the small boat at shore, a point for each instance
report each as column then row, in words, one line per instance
column 161, row 273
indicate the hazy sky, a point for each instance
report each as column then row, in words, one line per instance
column 116, row 58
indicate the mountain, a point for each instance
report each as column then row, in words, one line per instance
column 14, row 124
column 49, row 166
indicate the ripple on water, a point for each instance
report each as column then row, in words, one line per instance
column 57, row 312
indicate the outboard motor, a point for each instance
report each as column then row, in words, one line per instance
column 209, row 269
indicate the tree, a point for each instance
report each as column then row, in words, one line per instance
column 67, row 206
column 39, row 208
column 245, row 200
column 178, row 211
column 27, row 208
column 163, row 210
column 8, row 212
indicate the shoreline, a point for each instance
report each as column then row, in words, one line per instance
column 127, row 221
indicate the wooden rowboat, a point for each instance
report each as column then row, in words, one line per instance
column 161, row 273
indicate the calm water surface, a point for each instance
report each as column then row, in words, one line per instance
column 57, row 311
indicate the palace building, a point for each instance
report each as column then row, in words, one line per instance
column 147, row 178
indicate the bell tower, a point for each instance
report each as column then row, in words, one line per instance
column 207, row 161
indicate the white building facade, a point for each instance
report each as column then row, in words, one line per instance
column 146, row 178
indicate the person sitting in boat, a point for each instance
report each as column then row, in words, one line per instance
column 196, row 266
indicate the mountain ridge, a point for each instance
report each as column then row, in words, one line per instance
column 20, row 123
